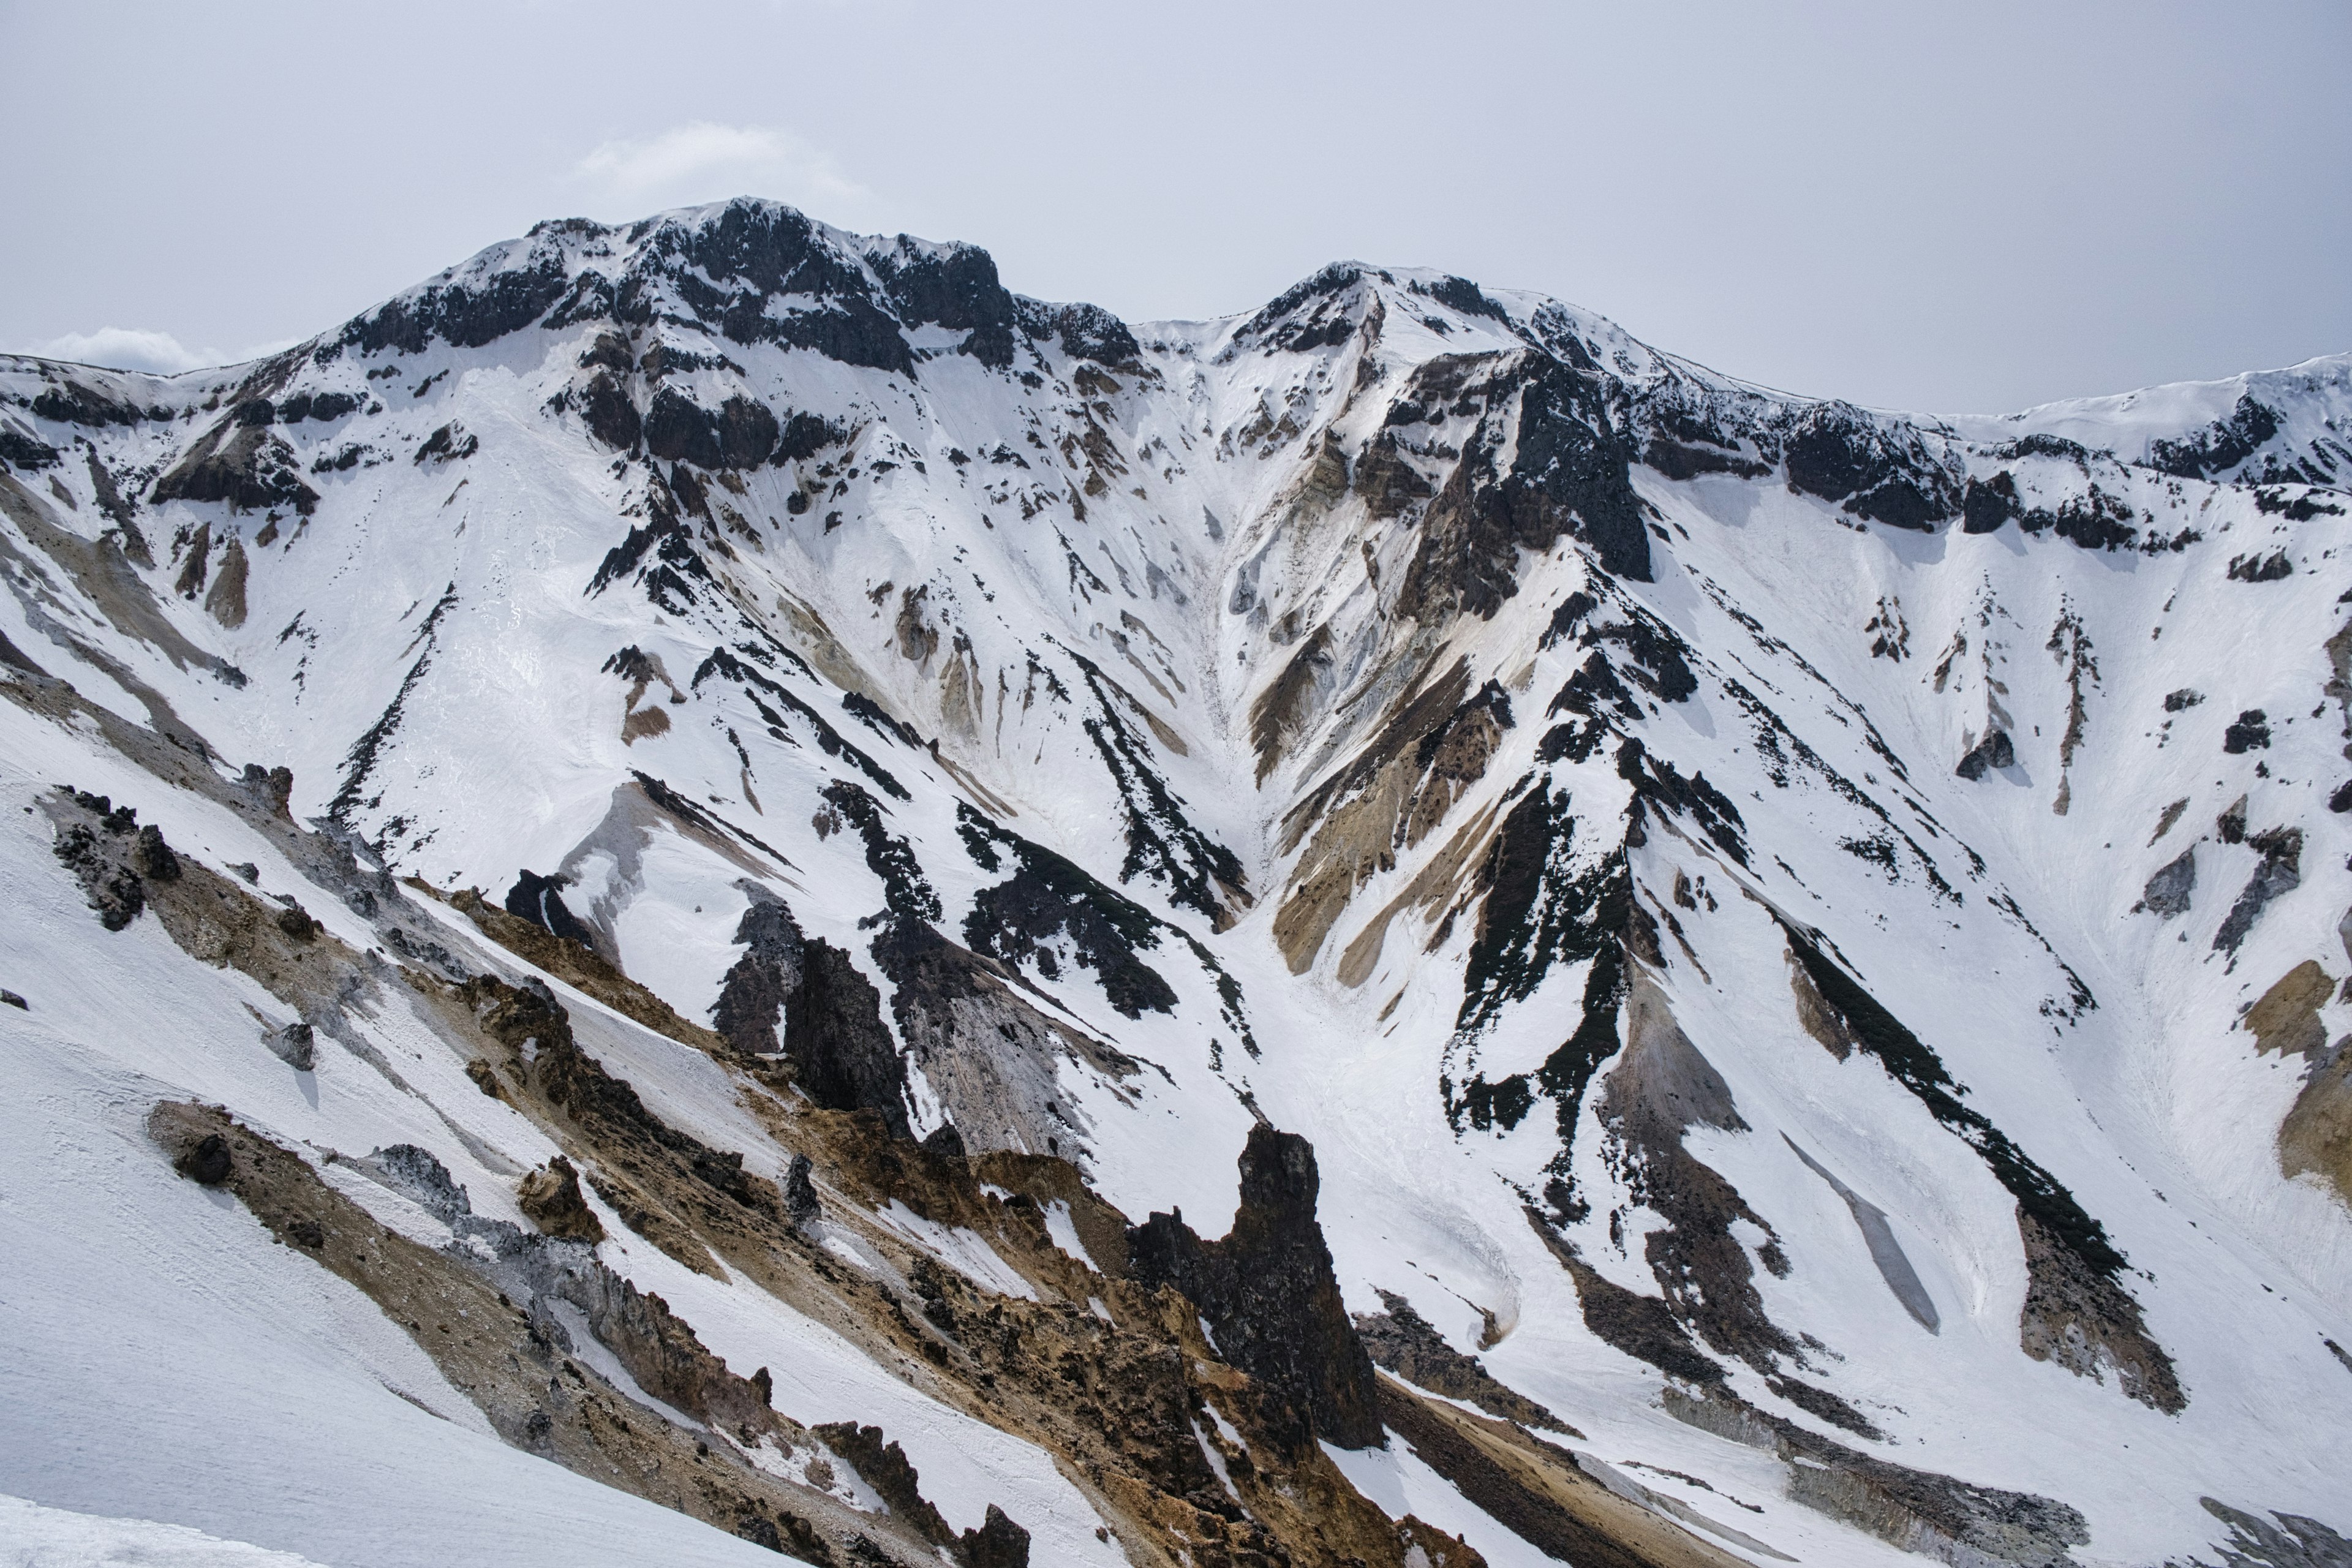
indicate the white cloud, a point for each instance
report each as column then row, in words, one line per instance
column 136, row 347
column 125, row 348
column 705, row 162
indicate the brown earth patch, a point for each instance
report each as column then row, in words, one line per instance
column 2286, row 1019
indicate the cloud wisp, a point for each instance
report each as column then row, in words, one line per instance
column 141, row 349
column 702, row 161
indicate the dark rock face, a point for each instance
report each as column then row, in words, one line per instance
column 1465, row 296
column 539, row 901
column 464, row 314
column 243, row 464
column 1836, row 453
column 2166, row 894
column 834, row 1036
column 1988, row 503
column 1404, row 1341
column 1643, row 1327
column 2281, row 871
column 1995, row 751
column 956, row 289
column 1573, row 464
column 884, row 1466
column 752, row 997
column 71, row 403
column 1571, row 475
column 610, row 416
column 753, row 252
column 2085, row 1321
column 1678, row 461
column 1539, row 914
column 997, row 1543
column 1085, row 332
column 2251, row 733
column 803, row 437
column 1387, row 482
column 21, row 451
column 741, row 434
column 2220, row 446
column 1048, row 896
column 1298, row 318
column 328, row 405
column 1268, row 1293
column 446, row 445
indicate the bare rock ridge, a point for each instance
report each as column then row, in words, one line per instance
column 1267, row 1294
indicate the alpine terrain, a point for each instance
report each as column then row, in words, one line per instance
column 711, row 888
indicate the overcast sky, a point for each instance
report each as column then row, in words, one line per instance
column 1960, row 208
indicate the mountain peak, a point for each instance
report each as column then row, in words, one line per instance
column 789, row 796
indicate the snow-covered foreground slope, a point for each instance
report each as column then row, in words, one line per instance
column 757, row 840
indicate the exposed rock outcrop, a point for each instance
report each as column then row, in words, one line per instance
column 842, row 1053
column 1268, row 1295
column 1403, row 1341
column 551, row 1199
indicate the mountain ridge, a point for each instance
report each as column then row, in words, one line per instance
column 1075, row 744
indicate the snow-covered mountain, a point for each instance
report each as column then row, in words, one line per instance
column 712, row 885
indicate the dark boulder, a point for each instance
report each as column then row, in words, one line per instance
column 296, row 1045
column 207, row 1162
column 153, row 858
column 1995, row 751
column 2251, row 733
column 801, row 1202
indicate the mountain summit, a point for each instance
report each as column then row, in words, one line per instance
column 711, row 887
